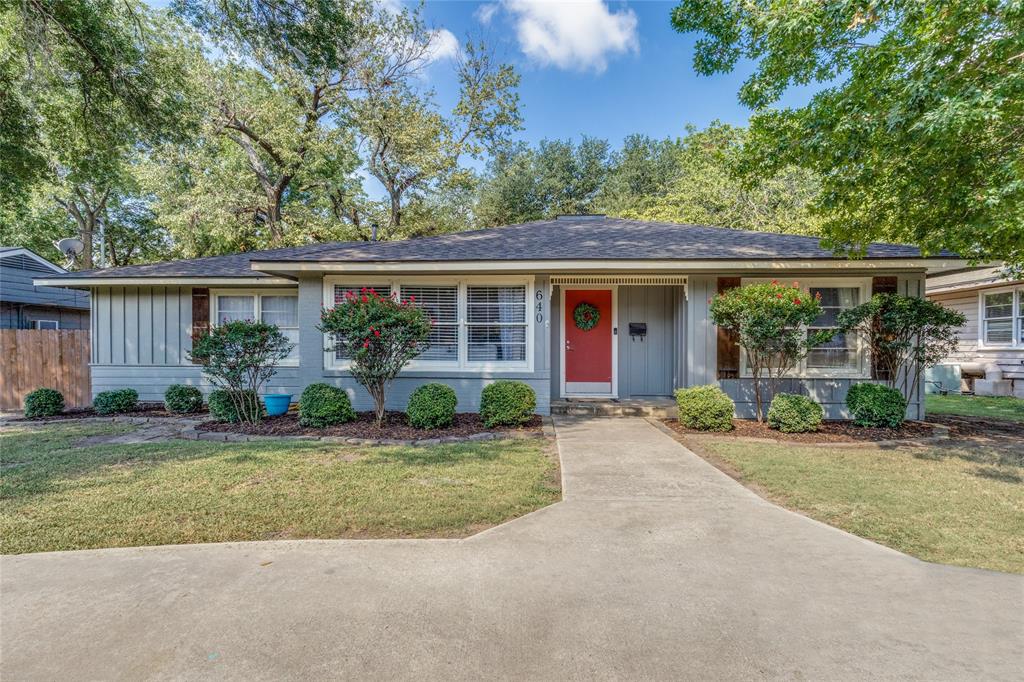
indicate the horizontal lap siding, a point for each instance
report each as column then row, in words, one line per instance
column 830, row 393
column 1010, row 360
column 152, row 381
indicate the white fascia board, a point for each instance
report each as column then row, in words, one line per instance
column 85, row 282
column 928, row 264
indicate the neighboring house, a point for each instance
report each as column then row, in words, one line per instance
column 502, row 302
column 990, row 357
column 24, row 305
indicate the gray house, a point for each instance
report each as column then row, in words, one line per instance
column 505, row 304
column 24, row 305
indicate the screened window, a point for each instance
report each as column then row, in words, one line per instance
column 279, row 310
column 441, row 304
column 998, row 317
column 340, row 291
column 842, row 351
column 496, row 323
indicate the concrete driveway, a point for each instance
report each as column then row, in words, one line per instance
column 655, row 566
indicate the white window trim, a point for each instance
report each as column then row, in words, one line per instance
column 56, row 324
column 802, row 371
column 258, row 295
column 463, row 283
column 1015, row 317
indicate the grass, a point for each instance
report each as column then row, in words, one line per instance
column 961, row 503
column 976, row 406
column 58, row 494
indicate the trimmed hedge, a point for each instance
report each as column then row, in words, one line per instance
column 705, row 408
column 323, row 405
column 791, row 413
column 432, row 406
column 116, row 402
column 507, row 403
column 43, row 402
column 876, row 405
column 182, row 399
column 222, row 408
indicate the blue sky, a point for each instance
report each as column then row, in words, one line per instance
column 605, row 69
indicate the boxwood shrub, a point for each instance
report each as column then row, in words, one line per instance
column 324, row 405
column 876, row 405
column 706, row 408
column 222, row 408
column 432, row 406
column 182, row 399
column 116, row 401
column 43, row 402
column 507, row 403
column 794, row 413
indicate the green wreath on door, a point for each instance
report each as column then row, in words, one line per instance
column 586, row 316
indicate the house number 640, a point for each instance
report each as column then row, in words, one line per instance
column 540, row 305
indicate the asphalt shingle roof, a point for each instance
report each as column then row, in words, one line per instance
column 572, row 238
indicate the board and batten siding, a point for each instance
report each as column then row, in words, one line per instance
column 1010, row 360
column 140, row 339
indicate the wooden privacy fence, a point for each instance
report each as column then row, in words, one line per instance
column 44, row 358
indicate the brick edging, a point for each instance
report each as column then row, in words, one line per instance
column 547, row 431
column 942, row 434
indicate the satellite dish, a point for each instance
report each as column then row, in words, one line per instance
column 71, row 248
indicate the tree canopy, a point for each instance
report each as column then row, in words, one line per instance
column 916, row 134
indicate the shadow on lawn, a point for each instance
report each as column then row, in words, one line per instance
column 996, row 460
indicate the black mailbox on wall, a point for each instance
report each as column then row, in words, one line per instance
column 637, row 330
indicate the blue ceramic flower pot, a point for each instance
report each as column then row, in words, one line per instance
column 277, row 403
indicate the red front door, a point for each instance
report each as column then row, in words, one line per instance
column 588, row 352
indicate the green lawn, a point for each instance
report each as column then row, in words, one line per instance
column 960, row 503
column 56, row 495
column 976, row 406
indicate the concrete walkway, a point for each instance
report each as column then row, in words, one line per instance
column 655, row 566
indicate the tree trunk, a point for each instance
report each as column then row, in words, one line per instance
column 377, row 393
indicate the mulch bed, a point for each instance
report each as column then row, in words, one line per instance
column 395, row 428
column 830, row 432
column 142, row 410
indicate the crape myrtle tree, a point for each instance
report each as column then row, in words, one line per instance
column 240, row 356
column 379, row 335
column 770, row 322
column 905, row 335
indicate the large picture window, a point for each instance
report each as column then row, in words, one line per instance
column 1002, row 317
column 276, row 308
column 475, row 322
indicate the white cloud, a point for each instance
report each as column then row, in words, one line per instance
column 392, row 6
column 484, row 13
column 443, row 45
column 580, row 35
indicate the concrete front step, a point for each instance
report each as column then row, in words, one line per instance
column 660, row 409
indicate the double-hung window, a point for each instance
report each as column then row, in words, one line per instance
column 842, row 352
column 277, row 308
column 496, row 323
column 441, row 304
column 1002, row 317
column 475, row 322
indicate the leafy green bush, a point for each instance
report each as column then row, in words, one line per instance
column 223, row 407
column 182, row 399
column 240, row 356
column 324, row 405
column 706, row 408
column 116, row 402
column 432, row 406
column 794, row 413
column 43, row 402
column 876, row 405
column 507, row 403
